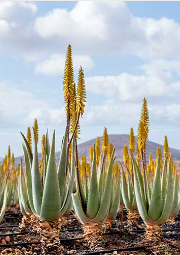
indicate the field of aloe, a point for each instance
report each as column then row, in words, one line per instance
column 100, row 206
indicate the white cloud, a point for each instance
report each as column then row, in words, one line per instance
column 111, row 27
column 91, row 27
column 19, row 11
column 131, row 87
column 46, row 116
column 115, row 113
column 55, row 64
column 4, row 28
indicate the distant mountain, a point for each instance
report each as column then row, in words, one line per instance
column 118, row 140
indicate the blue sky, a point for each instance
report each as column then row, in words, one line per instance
column 128, row 51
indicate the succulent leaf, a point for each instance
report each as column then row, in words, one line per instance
column 51, row 201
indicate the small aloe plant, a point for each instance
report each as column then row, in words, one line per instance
column 94, row 206
column 50, row 199
column 156, row 208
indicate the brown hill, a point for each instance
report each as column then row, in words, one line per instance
column 118, row 140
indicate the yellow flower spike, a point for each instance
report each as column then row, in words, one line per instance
column 173, row 168
column 43, row 144
column 5, row 163
column 36, row 129
column 126, row 175
column 91, row 153
column 41, row 167
column 130, row 166
column 138, row 155
column 29, row 140
column 12, row 162
column 9, row 156
column 131, row 141
column 97, row 149
column 152, row 165
column 83, row 160
column 157, row 153
column 68, row 77
column 150, row 159
column 125, row 155
column 166, row 147
column 148, row 169
column 70, row 152
column 155, row 164
column 115, row 169
column 83, row 166
column 110, row 150
column 81, row 93
column 73, row 114
column 141, row 136
column 105, row 142
column 18, row 169
column 145, row 117
column 88, row 170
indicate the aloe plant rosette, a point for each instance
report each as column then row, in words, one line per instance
column 46, row 202
column 93, row 207
column 157, row 208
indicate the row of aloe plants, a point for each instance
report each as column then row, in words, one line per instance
column 94, row 190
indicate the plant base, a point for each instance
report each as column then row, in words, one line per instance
column 133, row 217
column 171, row 220
column 49, row 235
column 153, row 233
column 25, row 223
column 93, row 236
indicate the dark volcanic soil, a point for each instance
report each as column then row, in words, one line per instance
column 11, row 243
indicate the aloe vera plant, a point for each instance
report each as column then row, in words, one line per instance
column 94, row 206
column 157, row 209
column 48, row 200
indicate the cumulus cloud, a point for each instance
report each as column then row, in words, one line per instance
column 133, row 87
column 111, row 26
column 91, row 27
column 16, row 101
column 116, row 113
column 47, row 116
column 54, row 65
column 20, row 107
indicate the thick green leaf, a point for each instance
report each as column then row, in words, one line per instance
column 93, row 199
column 28, row 148
column 164, row 177
column 47, row 146
column 67, row 198
column 28, row 179
column 23, row 190
column 168, row 202
column 63, row 162
column 115, row 204
column 36, row 181
column 155, row 207
column 141, row 182
column 3, row 209
column 124, row 191
column 51, row 201
column 78, row 208
column 176, row 200
column 106, row 197
column 138, row 187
